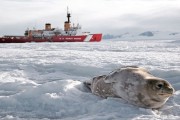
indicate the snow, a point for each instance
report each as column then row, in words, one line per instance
column 43, row 81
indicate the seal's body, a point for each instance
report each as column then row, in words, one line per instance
column 133, row 84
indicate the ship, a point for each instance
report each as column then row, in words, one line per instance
column 70, row 33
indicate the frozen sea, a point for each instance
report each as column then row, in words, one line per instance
column 44, row 81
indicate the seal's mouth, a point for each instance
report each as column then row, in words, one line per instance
column 166, row 94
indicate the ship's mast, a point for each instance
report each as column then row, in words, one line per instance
column 67, row 24
column 68, row 15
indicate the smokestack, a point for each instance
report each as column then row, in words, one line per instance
column 47, row 26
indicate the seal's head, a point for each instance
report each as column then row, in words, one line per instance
column 159, row 90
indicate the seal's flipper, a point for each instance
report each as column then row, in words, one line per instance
column 87, row 84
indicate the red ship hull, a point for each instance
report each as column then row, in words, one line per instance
column 76, row 38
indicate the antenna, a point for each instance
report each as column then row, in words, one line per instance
column 67, row 9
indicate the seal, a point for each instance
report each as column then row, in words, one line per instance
column 133, row 84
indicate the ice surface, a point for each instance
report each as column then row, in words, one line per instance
column 43, row 81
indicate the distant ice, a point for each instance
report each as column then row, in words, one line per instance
column 146, row 35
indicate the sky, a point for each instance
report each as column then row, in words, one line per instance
column 95, row 16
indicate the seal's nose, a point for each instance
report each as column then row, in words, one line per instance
column 171, row 90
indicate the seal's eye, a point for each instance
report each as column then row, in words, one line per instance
column 159, row 86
